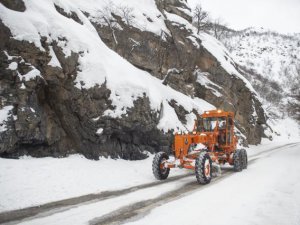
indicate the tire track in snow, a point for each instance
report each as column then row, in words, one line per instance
column 63, row 205
column 140, row 209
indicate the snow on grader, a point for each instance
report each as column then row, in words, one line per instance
column 211, row 143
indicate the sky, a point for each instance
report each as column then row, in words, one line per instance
column 279, row 15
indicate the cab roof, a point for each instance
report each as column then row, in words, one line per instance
column 217, row 113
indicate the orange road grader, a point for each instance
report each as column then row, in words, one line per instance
column 211, row 143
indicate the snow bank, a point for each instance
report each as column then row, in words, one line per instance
column 284, row 129
column 33, row 181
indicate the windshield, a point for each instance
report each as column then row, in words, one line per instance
column 209, row 124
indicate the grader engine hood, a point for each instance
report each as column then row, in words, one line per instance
column 182, row 142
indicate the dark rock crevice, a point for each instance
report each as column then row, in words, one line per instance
column 17, row 5
column 72, row 15
column 179, row 110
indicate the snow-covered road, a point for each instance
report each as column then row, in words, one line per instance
column 268, row 192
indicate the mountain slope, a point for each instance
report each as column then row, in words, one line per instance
column 68, row 92
column 271, row 62
column 268, row 53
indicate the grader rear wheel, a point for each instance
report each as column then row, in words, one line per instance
column 238, row 160
column 158, row 169
column 244, row 158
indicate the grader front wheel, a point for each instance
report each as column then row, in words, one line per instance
column 158, row 169
column 203, row 168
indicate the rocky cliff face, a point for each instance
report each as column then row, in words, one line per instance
column 178, row 61
column 47, row 114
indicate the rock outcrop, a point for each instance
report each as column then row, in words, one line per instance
column 50, row 116
column 177, row 60
column 17, row 5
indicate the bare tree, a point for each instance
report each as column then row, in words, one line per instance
column 106, row 17
column 295, row 86
column 109, row 14
column 127, row 14
column 201, row 19
column 219, row 29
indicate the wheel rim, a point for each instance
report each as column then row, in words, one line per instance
column 162, row 167
column 207, row 168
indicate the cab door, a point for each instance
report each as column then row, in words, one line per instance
column 229, row 131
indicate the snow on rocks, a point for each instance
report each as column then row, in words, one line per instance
column 96, row 119
column 169, row 119
column 99, row 131
column 54, row 61
column 4, row 114
column 99, row 64
column 9, row 57
column 22, row 86
column 194, row 41
column 223, row 56
column 203, row 80
column 146, row 16
column 32, row 74
column 215, row 47
column 13, row 66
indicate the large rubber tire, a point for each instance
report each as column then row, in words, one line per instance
column 244, row 158
column 237, row 160
column 158, row 172
column 203, row 168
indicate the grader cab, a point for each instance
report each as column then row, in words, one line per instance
column 211, row 143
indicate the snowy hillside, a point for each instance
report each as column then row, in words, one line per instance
column 272, row 64
column 101, row 66
column 97, row 63
column 91, row 90
column 270, row 54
